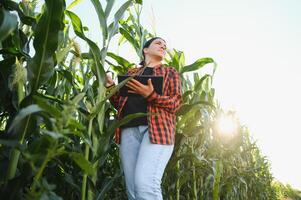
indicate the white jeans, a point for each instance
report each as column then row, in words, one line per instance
column 143, row 163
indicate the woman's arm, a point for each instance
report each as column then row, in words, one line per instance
column 173, row 100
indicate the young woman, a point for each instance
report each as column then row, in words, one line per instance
column 146, row 143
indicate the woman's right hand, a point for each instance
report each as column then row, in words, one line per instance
column 109, row 81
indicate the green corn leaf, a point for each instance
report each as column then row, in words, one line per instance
column 199, row 84
column 109, row 7
column 96, row 53
column 120, row 60
column 62, row 53
column 181, row 59
column 84, row 164
column 47, row 107
column 49, row 97
column 138, row 2
column 101, row 18
column 73, row 3
column 217, row 178
column 129, row 38
column 112, row 91
column 206, row 86
column 41, row 67
column 109, row 184
column 118, row 15
column 24, row 113
column 78, row 98
column 12, row 143
column 185, row 108
column 196, row 65
column 11, row 5
column 52, row 134
column 8, row 23
column 186, row 95
column 67, row 75
column 113, row 28
column 123, row 121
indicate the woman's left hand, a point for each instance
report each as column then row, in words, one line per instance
column 139, row 88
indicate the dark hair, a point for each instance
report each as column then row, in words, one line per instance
column 146, row 45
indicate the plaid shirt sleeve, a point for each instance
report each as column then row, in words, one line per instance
column 172, row 101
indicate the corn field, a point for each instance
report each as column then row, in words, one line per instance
column 57, row 125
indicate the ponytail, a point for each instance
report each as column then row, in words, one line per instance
column 142, row 63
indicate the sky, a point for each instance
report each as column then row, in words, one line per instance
column 257, row 47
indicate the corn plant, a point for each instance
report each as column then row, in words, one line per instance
column 56, row 124
column 207, row 165
column 41, row 112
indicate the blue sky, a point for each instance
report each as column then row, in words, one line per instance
column 257, row 47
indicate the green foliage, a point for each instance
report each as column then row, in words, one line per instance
column 41, row 66
column 286, row 191
column 56, row 124
column 8, row 23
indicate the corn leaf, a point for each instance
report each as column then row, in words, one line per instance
column 41, row 67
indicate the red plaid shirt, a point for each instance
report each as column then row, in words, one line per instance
column 162, row 126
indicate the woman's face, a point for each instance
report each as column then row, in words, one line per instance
column 157, row 49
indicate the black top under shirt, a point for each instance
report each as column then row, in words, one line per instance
column 136, row 105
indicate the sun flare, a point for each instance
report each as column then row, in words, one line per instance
column 226, row 125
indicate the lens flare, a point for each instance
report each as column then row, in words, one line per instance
column 226, row 125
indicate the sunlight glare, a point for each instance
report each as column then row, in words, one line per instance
column 226, row 125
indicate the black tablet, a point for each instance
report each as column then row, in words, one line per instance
column 157, row 82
